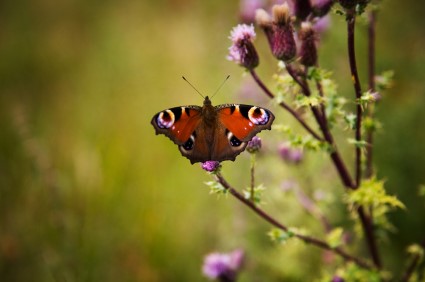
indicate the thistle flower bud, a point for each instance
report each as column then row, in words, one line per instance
column 210, row 166
column 223, row 266
column 289, row 154
column 243, row 50
column 254, row 145
column 283, row 41
column 308, row 50
column 263, row 19
column 302, row 9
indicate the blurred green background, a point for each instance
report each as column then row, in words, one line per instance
column 89, row 193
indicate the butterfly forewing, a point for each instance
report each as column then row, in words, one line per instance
column 177, row 123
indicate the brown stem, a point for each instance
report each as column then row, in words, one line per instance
column 351, row 21
column 252, row 177
column 371, row 75
column 307, row 239
column 366, row 221
column 285, row 106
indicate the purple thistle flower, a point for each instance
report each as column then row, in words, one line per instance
column 279, row 31
column 223, row 266
column 337, row 278
column 210, row 166
column 242, row 50
column 289, row 154
column 254, row 145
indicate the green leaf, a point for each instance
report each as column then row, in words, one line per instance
column 351, row 120
column 257, row 193
column 280, row 236
column 372, row 196
column 216, row 188
column 358, row 143
column 334, row 237
column 371, row 193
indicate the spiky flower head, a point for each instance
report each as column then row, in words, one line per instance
column 223, row 266
column 279, row 31
column 210, row 166
column 254, row 145
column 308, row 50
column 242, row 50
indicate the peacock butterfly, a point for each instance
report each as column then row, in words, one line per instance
column 211, row 133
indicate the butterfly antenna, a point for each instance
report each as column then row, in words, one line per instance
column 184, row 78
column 221, row 85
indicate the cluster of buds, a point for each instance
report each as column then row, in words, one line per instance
column 279, row 28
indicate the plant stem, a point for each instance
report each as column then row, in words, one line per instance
column 371, row 75
column 307, row 239
column 366, row 221
column 252, row 198
column 285, row 106
column 351, row 21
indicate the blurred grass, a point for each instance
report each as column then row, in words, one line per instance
column 89, row 193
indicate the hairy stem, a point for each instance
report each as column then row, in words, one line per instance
column 307, row 239
column 285, row 106
column 366, row 221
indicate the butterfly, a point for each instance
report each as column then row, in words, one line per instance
column 211, row 133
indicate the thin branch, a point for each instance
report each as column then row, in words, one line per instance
column 252, row 177
column 307, row 239
column 371, row 75
column 366, row 221
column 285, row 106
column 351, row 22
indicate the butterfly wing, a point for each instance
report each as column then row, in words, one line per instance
column 177, row 123
column 237, row 124
column 244, row 121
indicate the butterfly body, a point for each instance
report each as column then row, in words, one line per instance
column 211, row 133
